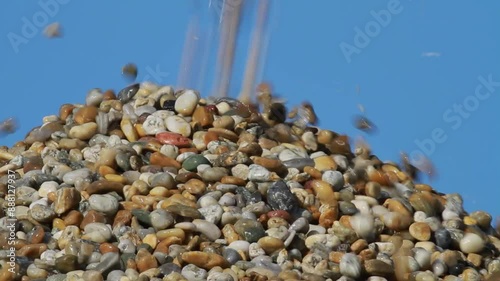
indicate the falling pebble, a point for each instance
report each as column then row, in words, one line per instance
column 53, row 30
column 423, row 164
column 364, row 124
column 130, row 70
column 8, row 126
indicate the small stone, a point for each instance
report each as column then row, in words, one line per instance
column 471, row 243
column 203, row 116
column 334, row 178
column 161, row 160
column 184, row 211
column 84, row 131
column 186, row 102
column 97, row 232
column 153, row 125
column 249, row 229
column 66, row 263
column 127, row 93
column 324, row 192
column 420, row 231
column 350, row 266
column 483, row 219
column 378, row 268
column 325, row 163
column 42, row 213
column 178, row 125
column 193, row 272
column 67, row 199
column 193, row 161
column 173, row 139
column 270, row 244
column 104, row 186
column 106, row 204
column 363, row 225
column 130, row 70
column 279, row 197
column 53, row 30
column 161, row 219
column 145, row 260
column 85, row 114
column 204, row 260
column 210, row 230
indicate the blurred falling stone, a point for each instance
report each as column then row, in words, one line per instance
column 364, row 124
column 53, row 30
column 8, row 126
column 130, row 70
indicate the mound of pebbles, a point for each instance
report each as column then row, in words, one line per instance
column 153, row 184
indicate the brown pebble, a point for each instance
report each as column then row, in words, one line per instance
column 104, row 186
column 324, row 192
column 131, row 264
column 378, row 268
column 210, row 136
column 67, row 199
column 73, row 218
column 475, row 259
column 203, row 116
column 230, row 233
column 224, row 133
column 204, row 260
column 32, row 251
column 273, row 165
column 59, row 224
column 420, row 231
column 32, row 163
column 37, row 235
column 313, row 172
column 232, row 180
column 335, row 256
column 85, row 114
column 195, row 186
column 359, row 245
column 91, row 217
column 122, row 217
column 109, row 95
column 145, row 260
column 329, row 215
column 108, row 248
column 65, row 110
column 279, row 214
column 165, row 243
column 270, row 244
column 159, row 159
column 104, row 170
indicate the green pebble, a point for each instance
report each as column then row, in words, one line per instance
column 66, row 263
column 142, row 216
column 193, row 161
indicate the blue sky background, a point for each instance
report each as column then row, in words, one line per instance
column 404, row 92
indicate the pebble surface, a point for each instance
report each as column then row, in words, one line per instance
column 153, row 184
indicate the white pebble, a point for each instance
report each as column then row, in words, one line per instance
column 471, row 243
column 178, row 125
column 363, row 225
column 350, row 266
column 210, row 230
column 186, row 102
column 258, row 173
column 153, row 125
